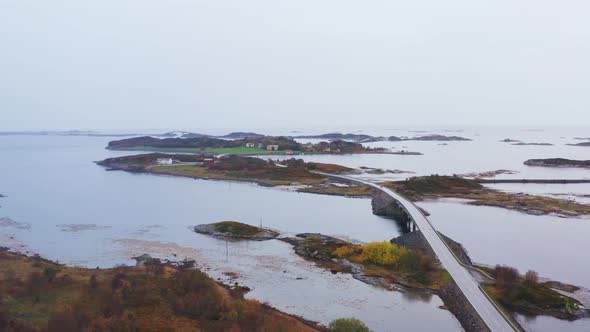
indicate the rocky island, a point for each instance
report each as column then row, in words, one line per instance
column 236, row 230
column 558, row 162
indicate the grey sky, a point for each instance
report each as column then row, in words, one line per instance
column 264, row 63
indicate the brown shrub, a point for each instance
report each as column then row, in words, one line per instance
column 506, row 276
column 93, row 282
column 426, row 263
column 531, row 278
column 69, row 320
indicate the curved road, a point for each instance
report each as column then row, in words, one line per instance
column 487, row 310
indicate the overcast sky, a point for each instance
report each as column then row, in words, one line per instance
column 264, row 63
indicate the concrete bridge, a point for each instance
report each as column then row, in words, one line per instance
column 488, row 310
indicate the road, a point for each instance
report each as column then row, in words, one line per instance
column 487, row 310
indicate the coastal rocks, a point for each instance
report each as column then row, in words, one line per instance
column 517, row 142
column 379, row 171
column 458, row 305
column 558, row 162
column 236, row 230
column 413, row 240
column 406, row 153
column 7, row 222
column 384, row 205
column 313, row 245
column 73, row 228
column 488, row 174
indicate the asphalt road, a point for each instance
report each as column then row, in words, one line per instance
column 492, row 317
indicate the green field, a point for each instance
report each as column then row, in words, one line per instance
column 236, row 150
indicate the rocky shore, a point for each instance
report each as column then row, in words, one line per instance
column 236, row 230
column 450, row 293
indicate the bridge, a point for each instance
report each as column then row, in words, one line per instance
column 488, row 310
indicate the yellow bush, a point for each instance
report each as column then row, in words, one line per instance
column 384, row 253
column 343, row 251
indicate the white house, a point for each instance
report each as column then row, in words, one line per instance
column 250, row 145
column 164, row 161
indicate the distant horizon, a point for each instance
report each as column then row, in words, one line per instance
column 324, row 129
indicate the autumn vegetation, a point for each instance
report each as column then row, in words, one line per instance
column 387, row 254
column 436, row 186
column 383, row 260
column 37, row 295
column 348, row 325
column 526, row 294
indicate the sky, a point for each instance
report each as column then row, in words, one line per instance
column 71, row 64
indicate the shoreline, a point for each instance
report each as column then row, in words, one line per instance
column 237, row 292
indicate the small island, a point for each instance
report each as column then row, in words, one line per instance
column 437, row 138
column 533, row 144
column 583, row 144
column 517, row 142
column 558, row 162
column 236, row 230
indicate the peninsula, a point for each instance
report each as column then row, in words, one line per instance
column 298, row 172
column 40, row 295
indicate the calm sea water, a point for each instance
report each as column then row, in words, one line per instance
column 51, row 181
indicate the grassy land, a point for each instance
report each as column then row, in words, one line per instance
column 273, row 176
column 350, row 191
column 236, row 150
column 36, row 295
column 236, row 228
column 232, row 167
column 419, row 188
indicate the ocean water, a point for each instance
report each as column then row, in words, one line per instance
column 53, row 187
